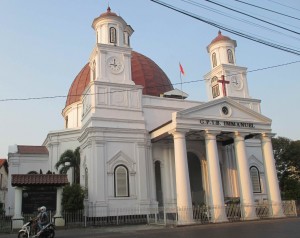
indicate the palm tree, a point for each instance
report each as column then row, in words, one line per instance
column 70, row 159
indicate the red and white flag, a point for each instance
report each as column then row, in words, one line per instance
column 181, row 69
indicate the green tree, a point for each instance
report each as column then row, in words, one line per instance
column 287, row 156
column 292, row 156
column 70, row 159
column 280, row 147
column 72, row 198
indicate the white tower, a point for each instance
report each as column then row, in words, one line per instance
column 225, row 77
column 113, row 126
column 110, row 60
column 111, row 89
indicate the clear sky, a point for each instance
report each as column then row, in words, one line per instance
column 44, row 45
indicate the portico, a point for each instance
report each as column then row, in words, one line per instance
column 229, row 123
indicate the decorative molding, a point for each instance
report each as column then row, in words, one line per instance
column 253, row 161
column 121, row 158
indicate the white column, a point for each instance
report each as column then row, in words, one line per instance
column 17, row 220
column 245, row 184
column 59, row 221
column 214, row 178
column 183, row 189
column 271, row 176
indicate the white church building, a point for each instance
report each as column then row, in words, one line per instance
column 144, row 144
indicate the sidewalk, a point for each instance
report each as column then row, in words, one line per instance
column 273, row 228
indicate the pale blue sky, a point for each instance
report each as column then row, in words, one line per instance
column 44, row 44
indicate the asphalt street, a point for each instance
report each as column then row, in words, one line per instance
column 279, row 228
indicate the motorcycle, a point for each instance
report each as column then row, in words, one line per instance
column 29, row 230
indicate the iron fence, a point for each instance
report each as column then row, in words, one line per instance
column 5, row 223
column 104, row 216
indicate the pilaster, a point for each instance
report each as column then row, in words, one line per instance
column 58, row 218
column 17, row 219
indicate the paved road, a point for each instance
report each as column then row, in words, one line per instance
column 280, row 228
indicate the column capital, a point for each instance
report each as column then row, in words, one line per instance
column 177, row 133
column 210, row 134
column 238, row 136
column 266, row 136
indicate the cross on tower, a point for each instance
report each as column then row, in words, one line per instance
column 223, row 82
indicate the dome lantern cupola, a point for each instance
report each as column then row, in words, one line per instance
column 222, row 50
column 111, row 29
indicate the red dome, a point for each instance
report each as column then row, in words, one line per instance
column 145, row 72
column 220, row 37
column 108, row 13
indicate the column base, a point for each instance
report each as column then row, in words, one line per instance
column 279, row 216
column 185, row 223
column 59, row 221
column 17, row 222
column 218, row 214
column 185, row 216
column 277, row 210
column 250, row 218
column 221, row 220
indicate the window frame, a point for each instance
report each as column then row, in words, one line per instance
column 230, row 56
column 113, row 35
column 214, row 59
column 257, row 177
column 215, row 87
column 116, row 183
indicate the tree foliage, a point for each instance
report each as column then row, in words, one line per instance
column 72, row 198
column 287, row 156
column 70, row 159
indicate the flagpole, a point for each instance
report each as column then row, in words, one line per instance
column 181, row 85
column 180, row 75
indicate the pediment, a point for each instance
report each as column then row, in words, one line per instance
column 213, row 111
column 253, row 161
column 120, row 158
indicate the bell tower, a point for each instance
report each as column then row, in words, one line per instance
column 110, row 60
column 225, row 77
column 111, row 97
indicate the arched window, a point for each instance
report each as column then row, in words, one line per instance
column 121, row 181
column 86, row 183
column 113, row 35
column 230, row 56
column 126, row 38
column 214, row 59
column 215, row 87
column 255, row 178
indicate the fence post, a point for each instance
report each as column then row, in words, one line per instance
column 165, row 217
column 117, row 217
column 85, row 221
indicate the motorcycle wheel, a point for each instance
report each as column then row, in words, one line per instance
column 51, row 234
column 22, row 234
